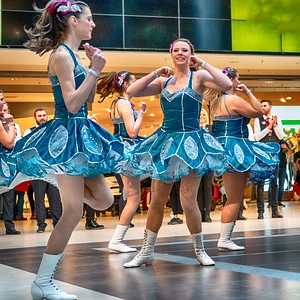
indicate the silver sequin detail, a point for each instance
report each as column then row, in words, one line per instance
column 5, row 168
column 150, row 140
column 239, row 154
column 34, row 136
column 91, row 141
column 212, row 142
column 260, row 152
column 58, row 141
column 165, row 149
column 191, row 148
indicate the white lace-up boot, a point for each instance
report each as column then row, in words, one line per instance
column 43, row 286
column 225, row 243
column 146, row 254
column 201, row 255
column 116, row 244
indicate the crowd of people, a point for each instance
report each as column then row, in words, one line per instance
column 68, row 156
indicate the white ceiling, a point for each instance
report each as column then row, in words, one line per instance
column 23, row 77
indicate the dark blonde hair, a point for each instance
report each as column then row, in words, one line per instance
column 185, row 41
column 112, row 83
column 50, row 29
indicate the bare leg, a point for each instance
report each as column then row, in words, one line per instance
column 159, row 195
column 74, row 190
column 235, row 184
column 132, row 186
column 188, row 197
column 97, row 193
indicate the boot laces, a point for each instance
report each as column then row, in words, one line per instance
column 55, row 286
column 142, row 251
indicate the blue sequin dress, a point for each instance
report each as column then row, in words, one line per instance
column 8, row 168
column 68, row 144
column 120, row 130
column 260, row 160
column 180, row 145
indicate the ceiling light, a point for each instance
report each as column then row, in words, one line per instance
column 152, row 115
column 282, row 100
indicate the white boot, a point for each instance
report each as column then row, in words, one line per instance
column 201, row 255
column 116, row 244
column 225, row 243
column 43, row 287
column 146, row 254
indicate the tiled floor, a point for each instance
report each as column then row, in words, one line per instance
column 268, row 269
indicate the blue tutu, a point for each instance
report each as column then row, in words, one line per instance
column 260, row 160
column 69, row 144
column 180, row 145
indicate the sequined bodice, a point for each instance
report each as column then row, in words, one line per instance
column 61, row 110
column 235, row 126
column 181, row 109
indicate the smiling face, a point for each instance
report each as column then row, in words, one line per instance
column 181, row 51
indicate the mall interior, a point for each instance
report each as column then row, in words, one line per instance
column 135, row 36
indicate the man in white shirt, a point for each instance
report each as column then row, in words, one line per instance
column 268, row 128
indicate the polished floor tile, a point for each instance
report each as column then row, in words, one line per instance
column 268, row 268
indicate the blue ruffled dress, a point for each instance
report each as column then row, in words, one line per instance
column 68, row 144
column 8, row 168
column 120, row 130
column 180, row 145
column 260, row 160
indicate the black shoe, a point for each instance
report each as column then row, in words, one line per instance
column 13, row 231
column 277, row 215
column 131, row 225
column 175, row 221
column 208, row 219
column 179, row 221
column 92, row 224
column 260, row 215
column 281, row 204
column 241, row 217
column 41, row 229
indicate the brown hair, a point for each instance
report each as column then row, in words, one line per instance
column 231, row 73
column 111, row 83
column 185, row 41
column 50, row 29
column 266, row 100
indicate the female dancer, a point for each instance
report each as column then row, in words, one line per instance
column 127, row 123
column 180, row 148
column 248, row 160
column 72, row 148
